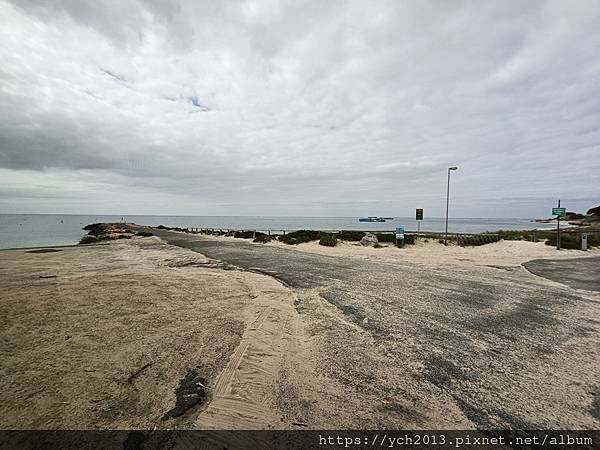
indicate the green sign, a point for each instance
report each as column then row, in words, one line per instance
column 419, row 214
column 559, row 211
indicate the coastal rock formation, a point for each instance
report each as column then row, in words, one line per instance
column 369, row 240
column 106, row 231
column 594, row 211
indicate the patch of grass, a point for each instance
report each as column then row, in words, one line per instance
column 144, row 234
column 328, row 240
column 300, row 236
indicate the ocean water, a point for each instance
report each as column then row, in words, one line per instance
column 32, row 230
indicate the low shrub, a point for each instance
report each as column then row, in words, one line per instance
column 262, row 238
column 409, row 239
column 89, row 239
column 144, row 234
column 386, row 237
column 519, row 235
column 351, row 235
column 571, row 241
column 248, row 234
column 328, row 240
column 300, row 236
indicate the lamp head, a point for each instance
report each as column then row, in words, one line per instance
column 452, row 168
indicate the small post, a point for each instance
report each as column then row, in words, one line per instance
column 400, row 236
column 584, row 241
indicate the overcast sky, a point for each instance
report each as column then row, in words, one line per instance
column 320, row 108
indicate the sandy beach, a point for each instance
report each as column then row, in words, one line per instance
column 100, row 337
column 142, row 334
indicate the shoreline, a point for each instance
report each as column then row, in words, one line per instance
column 48, row 230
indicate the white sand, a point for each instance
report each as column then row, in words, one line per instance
column 505, row 253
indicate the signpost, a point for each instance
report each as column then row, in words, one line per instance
column 419, row 217
column 399, row 235
column 558, row 212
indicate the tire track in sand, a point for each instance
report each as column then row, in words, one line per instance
column 244, row 395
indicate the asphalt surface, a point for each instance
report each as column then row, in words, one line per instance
column 497, row 341
column 579, row 273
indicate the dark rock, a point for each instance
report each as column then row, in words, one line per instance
column 190, row 392
column 594, row 211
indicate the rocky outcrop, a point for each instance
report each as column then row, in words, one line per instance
column 104, row 232
column 369, row 240
column 594, row 211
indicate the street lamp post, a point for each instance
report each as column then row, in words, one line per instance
column 448, row 202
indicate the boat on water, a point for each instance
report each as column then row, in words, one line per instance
column 372, row 219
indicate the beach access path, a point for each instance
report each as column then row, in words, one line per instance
column 425, row 343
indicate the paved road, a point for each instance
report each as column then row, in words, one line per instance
column 498, row 342
column 579, row 273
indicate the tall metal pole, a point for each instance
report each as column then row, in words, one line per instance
column 447, row 204
column 558, row 230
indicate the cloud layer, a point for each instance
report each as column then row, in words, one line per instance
column 298, row 108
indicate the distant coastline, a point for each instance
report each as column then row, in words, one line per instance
column 31, row 230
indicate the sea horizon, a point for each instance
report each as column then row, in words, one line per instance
column 19, row 230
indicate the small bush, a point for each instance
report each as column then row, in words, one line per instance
column 328, row 240
column 351, row 235
column 569, row 241
column 300, row 236
column 248, row 234
column 89, row 239
column 262, row 238
column 386, row 237
column 144, row 234
column 409, row 239
column 516, row 235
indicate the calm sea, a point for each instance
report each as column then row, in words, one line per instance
column 31, row 230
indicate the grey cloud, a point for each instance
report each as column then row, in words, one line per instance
column 305, row 100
